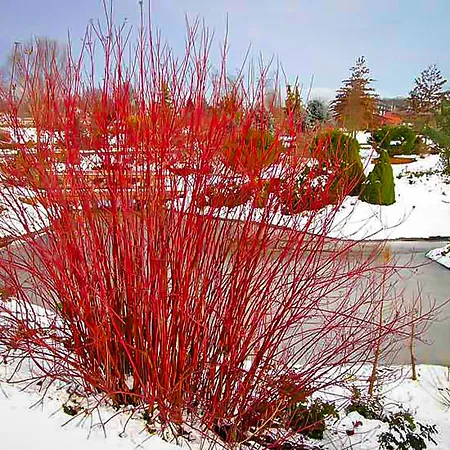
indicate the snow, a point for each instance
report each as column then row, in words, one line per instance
column 25, row 219
column 365, row 436
column 421, row 210
column 423, row 398
column 441, row 255
column 31, row 419
column 25, row 428
column 362, row 137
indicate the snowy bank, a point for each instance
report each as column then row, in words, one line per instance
column 441, row 255
column 30, row 420
column 421, row 210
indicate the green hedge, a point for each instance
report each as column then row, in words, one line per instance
column 405, row 138
column 344, row 148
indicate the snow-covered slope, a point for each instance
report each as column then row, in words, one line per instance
column 421, row 210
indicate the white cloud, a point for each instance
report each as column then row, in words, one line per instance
column 322, row 93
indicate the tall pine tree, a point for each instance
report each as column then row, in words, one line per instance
column 428, row 93
column 356, row 104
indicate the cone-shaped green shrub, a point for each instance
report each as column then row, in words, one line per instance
column 379, row 188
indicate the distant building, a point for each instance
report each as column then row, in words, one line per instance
column 390, row 118
column 392, row 110
column 393, row 105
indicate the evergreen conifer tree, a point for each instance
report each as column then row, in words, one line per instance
column 316, row 112
column 428, row 93
column 355, row 106
column 379, row 188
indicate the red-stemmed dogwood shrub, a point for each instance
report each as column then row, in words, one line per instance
column 127, row 275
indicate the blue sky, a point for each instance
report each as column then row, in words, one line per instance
column 310, row 37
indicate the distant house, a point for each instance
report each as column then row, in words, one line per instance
column 391, row 110
column 390, row 118
column 397, row 104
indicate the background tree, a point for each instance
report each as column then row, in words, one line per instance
column 316, row 112
column 294, row 106
column 425, row 98
column 29, row 66
column 355, row 105
column 440, row 134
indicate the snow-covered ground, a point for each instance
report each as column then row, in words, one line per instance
column 421, row 210
column 31, row 420
column 425, row 398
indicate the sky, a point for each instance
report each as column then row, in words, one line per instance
column 310, row 38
